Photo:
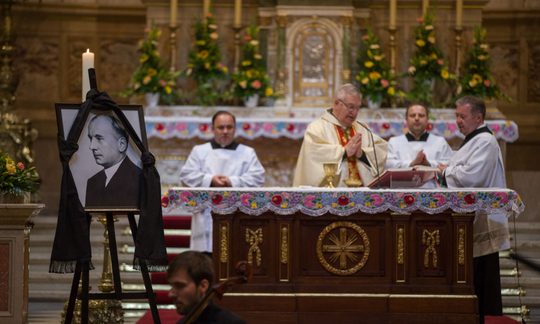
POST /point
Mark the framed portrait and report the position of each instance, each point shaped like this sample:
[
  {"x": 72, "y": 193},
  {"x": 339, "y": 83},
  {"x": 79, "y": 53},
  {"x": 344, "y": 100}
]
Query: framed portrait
[{"x": 107, "y": 166}]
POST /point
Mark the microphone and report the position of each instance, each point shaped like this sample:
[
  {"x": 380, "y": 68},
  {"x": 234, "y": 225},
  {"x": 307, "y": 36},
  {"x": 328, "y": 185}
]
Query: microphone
[{"x": 373, "y": 144}]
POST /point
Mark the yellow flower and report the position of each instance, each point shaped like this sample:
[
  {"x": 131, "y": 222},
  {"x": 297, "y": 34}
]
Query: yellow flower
[
  {"x": 268, "y": 92},
  {"x": 431, "y": 39},
  {"x": 433, "y": 56},
  {"x": 378, "y": 57},
  {"x": 250, "y": 73},
  {"x": 143, "y": 58},
  {"x": 477, "y": 77},
  {"x": 391, "y": 91},
  {"x": 484, "y": 46},
  {"x": 253, "y": 204},
  {"x": 420, "y": 43},
  {"x": 368, "y": 64},
  {"x": 242, "y": 84},
  {"x": 207, "y": 66},
  {"x": 445, "y": 74},
  {"x": 334, "y": 205},
  {"x": 168, "y": 89},
  {"x": 10, "y": 167},
  {"x": 192, "y": 203},
  {"x": 152, "y": 72},
  {"x": 214, "y": 35},
  {"x": 473, "y": 83},
  {"x": 374, "y": 46},
  {"x": 423, "y": 62},
  {"x": 254, "y": 42},
  {"x": 412, "y": 69},
  {"x": 429, "y": 27},
  {"x": 374, "y": 75},
  {"x": 482, "y": 57},
  {"x": 318, "y": 205},
  {"x": 212, "y": 26},
  {"x": 367, "y": 204},
  {"x": 365, "y": 81},
  {"x": 257, "y": 56},
  {"x": 246, "y": 63},
  {"x": 284, "y": 205},
  {"x": 203, "y": 54},
  {"x": 200, "y": 42},
  {"x": 147, "y": 79}
]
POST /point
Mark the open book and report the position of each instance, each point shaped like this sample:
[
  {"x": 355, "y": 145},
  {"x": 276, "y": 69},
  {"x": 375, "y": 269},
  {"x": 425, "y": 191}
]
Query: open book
[{"x": 412, "y": 177}]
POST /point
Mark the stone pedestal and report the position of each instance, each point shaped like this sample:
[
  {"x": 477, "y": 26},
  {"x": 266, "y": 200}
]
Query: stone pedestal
[{"x": 15, "y": 229}]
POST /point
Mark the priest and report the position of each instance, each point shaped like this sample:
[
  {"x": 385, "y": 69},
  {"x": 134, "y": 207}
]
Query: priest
[
  {"x": 417, "y": 147},
  {"x": 478, "y": 164},
  {"x": 337, "y": 137},
  {"x": 220, "y": 163}
]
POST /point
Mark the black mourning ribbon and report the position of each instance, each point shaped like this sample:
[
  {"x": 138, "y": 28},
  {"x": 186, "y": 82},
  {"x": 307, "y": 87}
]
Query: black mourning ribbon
[{"x": 72, "y": 237}]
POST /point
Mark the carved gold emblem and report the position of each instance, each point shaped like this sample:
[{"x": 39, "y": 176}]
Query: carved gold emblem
[
  {"x": 254, "y": 238},
  {"x": 430, "y": 239},
  {"x": 461, "y": 246},
  {"x": 343, "y": 248},
  {"x": 284, "y": 245},
  {"x": 400, "y": 247},
  {"x": 224, "y": 243}
]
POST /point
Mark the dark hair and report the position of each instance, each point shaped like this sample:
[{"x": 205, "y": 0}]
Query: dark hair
[
  {"x": 477, "y": 105},
  {"x": 421, "y": 104},
  {"x": 197, "y": 265},
  {"x": 115, "y": 123},
  {"x": 223, "y": 112}
]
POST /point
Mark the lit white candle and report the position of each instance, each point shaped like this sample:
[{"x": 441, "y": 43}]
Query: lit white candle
[
  {"x": 393, "y": 12},
  {"x": 237, "y": 13},
  {"x": 206, "y": 7},
  {"x": 87, "y": 63},
  {"x": 425, "y": 5},
  {"x": 459, "y": 13},
  {"x": 174, "y": 10}
]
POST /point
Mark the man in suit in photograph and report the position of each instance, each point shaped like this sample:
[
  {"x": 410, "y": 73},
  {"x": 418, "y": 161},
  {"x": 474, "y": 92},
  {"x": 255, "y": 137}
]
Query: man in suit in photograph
[{"x": 117, "y": 185}]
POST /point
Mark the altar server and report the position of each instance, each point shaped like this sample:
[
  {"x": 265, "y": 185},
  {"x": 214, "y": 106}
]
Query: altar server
[
  {"x": 417, "y": 147},
  {"x": 337, "y": 137},
  {"x": 478, "y": 164},
  {"x": 220, "y": 163}
]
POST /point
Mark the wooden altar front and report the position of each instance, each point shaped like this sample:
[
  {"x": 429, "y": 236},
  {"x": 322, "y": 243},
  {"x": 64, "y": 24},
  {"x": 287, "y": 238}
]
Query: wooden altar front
[{"x": 347, "y": 256}]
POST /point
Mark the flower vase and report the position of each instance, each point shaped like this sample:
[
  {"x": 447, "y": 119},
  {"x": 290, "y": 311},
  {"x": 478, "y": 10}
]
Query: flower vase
[
  {"x": 152, "y": 99},
  {"x": 251, "y": 101},
  {"x": 9, "y": 198},
  {"x": 374, "y": 103}
]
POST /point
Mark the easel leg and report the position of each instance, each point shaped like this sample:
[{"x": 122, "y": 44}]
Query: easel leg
[
  {"x": 73, "y": 294},
  {"x": 114, "y": 256},
  {"x": 84, "y": 293},
  {"x": 145, "y": 274}
]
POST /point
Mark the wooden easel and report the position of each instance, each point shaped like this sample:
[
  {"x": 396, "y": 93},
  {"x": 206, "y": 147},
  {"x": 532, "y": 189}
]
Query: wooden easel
[{"x": 118, "y": 294}]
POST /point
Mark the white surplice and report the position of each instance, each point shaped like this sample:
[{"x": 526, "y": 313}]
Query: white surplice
[
  {"x": 479, "y": 164},
  {"x": 242, "y": 167},
  {"x": 401, "y": 152},
  {"x": 321, "y": 144}
]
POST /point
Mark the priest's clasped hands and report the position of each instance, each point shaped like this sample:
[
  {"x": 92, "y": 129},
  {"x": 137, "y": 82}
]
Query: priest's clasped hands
[
  {"x": 354, "y": 146},
  {"x": 220, "y": 181},
  {"x": 420, "y": 159}
]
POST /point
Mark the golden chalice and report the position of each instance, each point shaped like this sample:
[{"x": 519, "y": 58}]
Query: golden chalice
[{"x": 330, "y": 169}]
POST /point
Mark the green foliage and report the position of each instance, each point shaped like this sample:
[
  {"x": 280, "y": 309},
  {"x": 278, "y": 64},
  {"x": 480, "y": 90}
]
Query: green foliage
[
  {"x": 375, "y": 81},
  {"x": 428, "y": 63},
  {"x": 15, "y": 178},
  {"x": 204, "y": 63},
  {"x": 251, "y": 77},
  {"x": 151, "y": 76},
  {"x": 477, "y": 79}
]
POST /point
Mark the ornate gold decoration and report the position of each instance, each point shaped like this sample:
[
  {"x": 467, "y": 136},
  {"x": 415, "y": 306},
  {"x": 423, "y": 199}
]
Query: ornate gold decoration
[
  {"x": 430, "y": 239},
  {"x": 254, "y": 238},
  {"x": 282, "y": 21},
  {"x": 346, "y": 257},
  {"x": 346, "y": 75},
  {"x": 224, "y": 244},
  {"x": 400, "y": 246},
  {"x": 461, "y": 246},
  {"x": 284, "y": 244}
]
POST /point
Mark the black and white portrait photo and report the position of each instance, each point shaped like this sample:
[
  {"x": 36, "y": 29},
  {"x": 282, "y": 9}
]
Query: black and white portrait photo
[{"x": 107, "y": 167}]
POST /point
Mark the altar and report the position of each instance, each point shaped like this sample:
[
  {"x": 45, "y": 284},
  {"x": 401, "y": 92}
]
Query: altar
[{"x": 347, "y": 255}]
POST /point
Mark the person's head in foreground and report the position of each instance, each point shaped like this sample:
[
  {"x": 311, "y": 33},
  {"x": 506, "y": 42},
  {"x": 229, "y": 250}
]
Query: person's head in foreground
[
  {"x": 417, "y": 118},
  {"x": 470, "y": 114},
  {"x": 224, "y": 127},
  {"x": 346, "y": 105}
]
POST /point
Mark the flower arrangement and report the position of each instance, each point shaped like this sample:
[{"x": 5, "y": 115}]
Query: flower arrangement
[
  {"x": 16, "y": 178},
  {"x": 428, "y": 63},
  {"x": 204, "y": 63},
  {"x": 151, "y": 76},
  {"x": 375, "y": 80},
  {"x": 251, "y": 78},
  {"x": 477, "y": 79}
]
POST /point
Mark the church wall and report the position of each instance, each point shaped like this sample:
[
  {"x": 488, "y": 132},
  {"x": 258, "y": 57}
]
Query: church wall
[{"x": 52, "y": 35}]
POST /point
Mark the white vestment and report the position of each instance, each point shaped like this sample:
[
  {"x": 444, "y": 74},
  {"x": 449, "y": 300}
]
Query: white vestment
[
  {"x": 242, "y": 167},
  {"x": 322, "y": 144},
  {"x": 479, "y": 164},
  {"x": 401, "y": 152}
]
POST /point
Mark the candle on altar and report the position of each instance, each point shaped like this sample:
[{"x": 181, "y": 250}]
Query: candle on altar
[
  {"x": 393, "y": 12},
  {"x": 459, "y": 13},
  {"x": 237, "y": 13},
  {"x": 174, "y": 11},
  {"x": 206, "y": 7},
  {"x": 87, "y": 63},
  {"x": 425, "y": 5}
]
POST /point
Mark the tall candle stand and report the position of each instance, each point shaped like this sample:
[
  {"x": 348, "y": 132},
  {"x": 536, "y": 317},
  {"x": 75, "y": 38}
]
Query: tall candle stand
[
  {"x": 237, "y": 30},
  {"x": 459, "y": 33},
  {"x": 392, "y": 45},
  {"x": 172, "y": 44}
]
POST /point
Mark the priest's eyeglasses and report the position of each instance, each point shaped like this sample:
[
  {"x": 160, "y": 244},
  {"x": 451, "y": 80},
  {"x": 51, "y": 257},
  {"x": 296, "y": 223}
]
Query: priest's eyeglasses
[{"x": 350, "y": 106}]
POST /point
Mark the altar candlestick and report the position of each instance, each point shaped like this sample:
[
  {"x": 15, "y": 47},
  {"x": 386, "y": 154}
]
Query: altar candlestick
[
  {"x": 206, "y": 7},
  {"x": 459, "y": 13},
  {"x": 425, "y": 5},
  {"x": 237, "y": 13},
  {"x": 87, "y": 63},
  {"x": 174, "y": 11},
  {"x": 393, "y": 12}
]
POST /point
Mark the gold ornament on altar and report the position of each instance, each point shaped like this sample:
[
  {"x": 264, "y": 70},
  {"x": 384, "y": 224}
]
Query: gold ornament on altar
[
  {"x": 330, "y": 170},
  {"x": 353, "y": 181},
  {"x": 343, "y": 248}
]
